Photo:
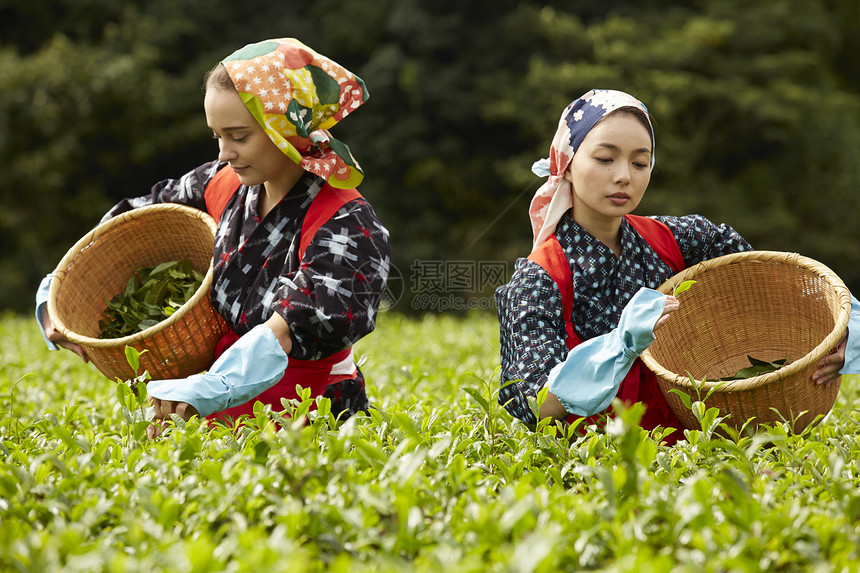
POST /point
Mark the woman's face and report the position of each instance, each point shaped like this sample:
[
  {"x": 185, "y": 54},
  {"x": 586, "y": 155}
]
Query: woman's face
[
  {"x": 242, "y": 142},
  {"x": 611, "y": 170}
]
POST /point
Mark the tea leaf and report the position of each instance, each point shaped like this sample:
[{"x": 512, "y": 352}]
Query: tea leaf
[
  {"x": 757, "y": 368},
  {"x": 478, "y": 398},
  {"x": 158, "y": 269},
  {"x": 683, "y": 287},
  {"x": 148, "y": 323},
  {"x": 685, "y": 398},
  {"x": 132, "y": 356},
  {"x": 757, "y": 362},
  {"x": 151, "y": 295},
  {"x": 427, "y": 480}
]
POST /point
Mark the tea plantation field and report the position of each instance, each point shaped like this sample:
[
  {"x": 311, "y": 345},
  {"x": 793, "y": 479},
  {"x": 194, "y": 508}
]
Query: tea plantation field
[{"x": 438, "y": 478}]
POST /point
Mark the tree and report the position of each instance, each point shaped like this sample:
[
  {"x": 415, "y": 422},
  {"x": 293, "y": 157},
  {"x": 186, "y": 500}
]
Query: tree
[
  {"x": 757, "y": 109},
  {"x": 756, "y": 125}
]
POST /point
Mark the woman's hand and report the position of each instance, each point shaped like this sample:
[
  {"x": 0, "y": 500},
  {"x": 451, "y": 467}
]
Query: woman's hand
[
  {"x": 57, "y": 337},
  {"x": 163, "y": 410},
  {"x": 252, "y": 365},
  {"x": 672, "y": 304},
  {"x": 282, "y": 332},
  {"x": 830, "y": 365}
]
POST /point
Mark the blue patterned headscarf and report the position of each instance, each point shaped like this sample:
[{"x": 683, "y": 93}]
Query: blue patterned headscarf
[{"x": 554, "y": 198}]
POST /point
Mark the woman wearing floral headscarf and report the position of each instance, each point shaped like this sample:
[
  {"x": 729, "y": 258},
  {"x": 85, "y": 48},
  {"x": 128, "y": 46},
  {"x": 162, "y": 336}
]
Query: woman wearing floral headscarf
[
  {"x": 581, "y": 308},
  {"x": 300, "y": 256}
]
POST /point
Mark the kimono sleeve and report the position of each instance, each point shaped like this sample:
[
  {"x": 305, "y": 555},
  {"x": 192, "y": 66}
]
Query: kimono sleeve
[
  {"x": 700, "y": 240},
  {"x": 331, "y": 301},
  {"x": 187, "y": 190},
  {"x": 532, "y": 336}
]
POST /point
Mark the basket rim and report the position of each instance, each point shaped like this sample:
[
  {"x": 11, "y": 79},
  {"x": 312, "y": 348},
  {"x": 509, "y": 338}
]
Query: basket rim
[
  {"x": 823, "y": 348},
  {"x": 64, "y": 264}
]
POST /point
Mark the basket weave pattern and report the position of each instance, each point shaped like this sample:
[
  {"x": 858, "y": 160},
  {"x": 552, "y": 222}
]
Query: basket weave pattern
[
  {"x": 98, "y": 267},
  {"x": 769, "y": 305}
]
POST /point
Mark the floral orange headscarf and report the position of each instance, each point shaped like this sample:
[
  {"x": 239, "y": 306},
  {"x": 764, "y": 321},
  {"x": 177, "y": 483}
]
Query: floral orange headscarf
[{"x": 296, "y": 95}]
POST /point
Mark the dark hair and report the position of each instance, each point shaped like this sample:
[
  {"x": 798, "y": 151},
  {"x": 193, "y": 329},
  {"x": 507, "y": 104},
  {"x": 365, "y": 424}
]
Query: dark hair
[
  {"x": 217, "y": 78},
  {"x": 637, "y": 113}
]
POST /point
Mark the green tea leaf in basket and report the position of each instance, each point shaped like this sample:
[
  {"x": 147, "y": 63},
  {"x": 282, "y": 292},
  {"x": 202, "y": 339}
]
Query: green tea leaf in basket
[
  {"x": 148, "y": 323},
  {"x": 757, "y": 367},
  {"x": 160, "y": 269},
  {"x": 151, "y": 295}
]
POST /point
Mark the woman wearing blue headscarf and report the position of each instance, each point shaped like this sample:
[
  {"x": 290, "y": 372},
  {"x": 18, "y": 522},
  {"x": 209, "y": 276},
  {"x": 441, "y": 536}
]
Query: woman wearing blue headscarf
[{"x": 582, "y": 307}]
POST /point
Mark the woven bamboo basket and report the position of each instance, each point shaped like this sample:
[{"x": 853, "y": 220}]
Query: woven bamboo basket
[
  {"x": 769, "y": 305},
  {"x": 99, "y": 265}
]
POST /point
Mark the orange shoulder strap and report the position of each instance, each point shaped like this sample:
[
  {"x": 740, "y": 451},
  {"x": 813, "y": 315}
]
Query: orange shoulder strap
[
  {"x": 551, "y": 257},
  {"x": 327, "y": 202},
  {"x": 661, "y": 239},
  {"x": 219, "y": 191}
]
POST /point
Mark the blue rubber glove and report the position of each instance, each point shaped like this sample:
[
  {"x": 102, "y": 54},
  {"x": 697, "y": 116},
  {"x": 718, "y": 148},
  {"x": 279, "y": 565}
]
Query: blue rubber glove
[
  {"x": 587, "y": 381},
  {"x": 255, "y": 363},
  {"x": 852, "y": 347},
  {"x": 41, "y": 301}
]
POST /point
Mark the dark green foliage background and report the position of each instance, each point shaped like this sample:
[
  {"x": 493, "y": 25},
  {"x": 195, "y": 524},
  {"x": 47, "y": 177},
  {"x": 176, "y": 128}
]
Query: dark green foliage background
[{"x": 757, "y": 107}]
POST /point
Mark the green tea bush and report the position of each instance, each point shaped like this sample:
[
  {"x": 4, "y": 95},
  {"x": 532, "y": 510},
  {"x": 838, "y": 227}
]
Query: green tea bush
[{"x": 437, "y": 477}]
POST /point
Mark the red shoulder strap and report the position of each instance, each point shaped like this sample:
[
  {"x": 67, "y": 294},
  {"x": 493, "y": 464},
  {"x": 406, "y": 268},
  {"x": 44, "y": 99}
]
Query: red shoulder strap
[
  {"x": 327, "y": 202},
  {"x": 661, "y": 239},
  {"x": 551, "y": 257},
  {"x": 219, "y": 190}
]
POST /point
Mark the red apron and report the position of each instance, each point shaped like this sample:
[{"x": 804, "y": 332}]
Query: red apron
[
  {"x": 313, "y": 374},
  {"x": 640, "y": 384}
]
